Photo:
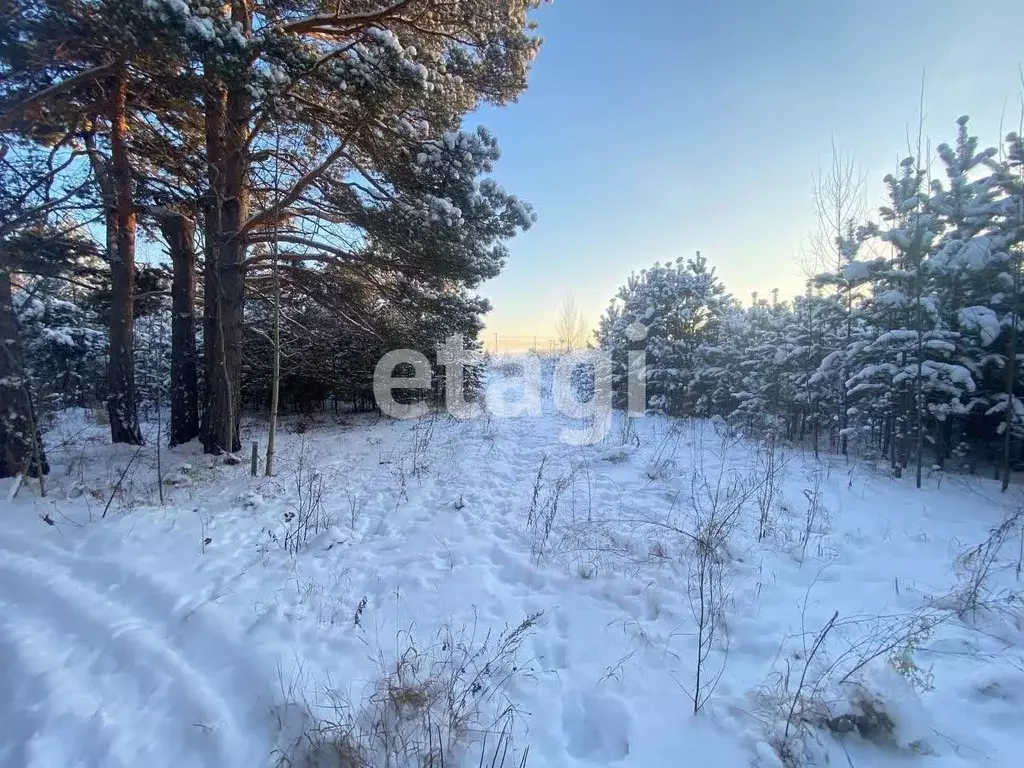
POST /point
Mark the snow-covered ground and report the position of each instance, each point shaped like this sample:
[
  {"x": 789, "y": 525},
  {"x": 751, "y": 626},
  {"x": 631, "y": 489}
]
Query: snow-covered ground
[{"x": 384, "y": 576}]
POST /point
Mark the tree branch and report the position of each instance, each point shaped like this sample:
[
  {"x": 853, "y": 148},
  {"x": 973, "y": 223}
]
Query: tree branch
[
  {"x": 268, "y": 214},
  {"x": 336, "y": 23},
  {"x": 338, "y": 255},
  {"x": 8, "y": 118}
]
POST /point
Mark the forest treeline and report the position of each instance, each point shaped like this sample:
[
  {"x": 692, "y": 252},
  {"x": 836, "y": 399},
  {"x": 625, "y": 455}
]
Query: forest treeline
[{"x": 906, "y": 343}]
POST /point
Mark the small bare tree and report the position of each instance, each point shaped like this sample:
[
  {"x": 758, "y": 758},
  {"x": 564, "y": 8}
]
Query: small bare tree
[
  {"x": 571, "y": 328},
  {"x": 839, "y": 202},
  {"x": 707, "y": 600},
  {"x": 275, "y": 381},
  {"x": 718, "y": 501},
  {"x": 771, "y": 465},
  {"x": 838, "y": 193},
  {"x": 813, "y": 518}
]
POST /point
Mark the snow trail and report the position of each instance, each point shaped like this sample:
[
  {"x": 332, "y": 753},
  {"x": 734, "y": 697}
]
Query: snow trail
[{"x": 103, "y": 658}]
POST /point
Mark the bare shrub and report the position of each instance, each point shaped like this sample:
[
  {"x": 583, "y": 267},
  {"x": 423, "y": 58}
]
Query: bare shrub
[
  {"x": 903, "y": 657},
  {"x": 307, "y": 518},
  {"x": 356, "y": 506},
  {"x": 422, "y": 435},
  {"x": 865, "y": 639},
  {"x": 703, "y": 526},
  {"x": 789, "y": 710},
  {"x": 546, "y": 499},
  {"x": 829, "y": 693},
  {"x": 718, "y": 501},
  {"x": 663, "y": 459},
  {"x": 717, "y": 505},
  {"x": 626, "y": 433},
  {"x": 714, "y": 508},
  {"x": 488, "y": 428},
  {"x": 976, "y": 568},
  {"x": 120, "y": 484},
  {"x": 440, "y": 704},
  {"x": 707, "y": 595},
  {"x": 771, "y": 463},
  {"x": 562, "y": 524},
  {"x": 535, "y": 498},
  {"x": 814, "y": 515}
]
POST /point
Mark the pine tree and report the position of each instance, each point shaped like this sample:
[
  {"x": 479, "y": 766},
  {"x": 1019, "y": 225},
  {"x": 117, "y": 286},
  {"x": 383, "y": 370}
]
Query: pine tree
[
  {"x": 678, "y": 308},
  {"x": 1011, "y": 300},
  {"x": 112, "y": 63},
  {"x": 34, "y": 197},
  {"x": 367, "y": 105}
]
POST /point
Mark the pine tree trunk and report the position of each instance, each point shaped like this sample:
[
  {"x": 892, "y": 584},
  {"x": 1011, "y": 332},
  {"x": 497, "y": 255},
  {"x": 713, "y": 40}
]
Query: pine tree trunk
[
  {"x": 179, "y": 232},
  {"x": 211, "y": 322},
  {"x": 227, "y": 134},
  {"x": 232, "y": 255},
  {"x": 121, "y": 407},
  {"x": 844, "y": 418},
  {"x": 946, "y": 442},
  {"x": 220, "y": 305},
  {"x": 226, "y": 138},
  {"x": 275, "y": 383},
  {"x": 275, "y": 380},
  {"x": 816, "y": 430},
  {"x": 891, "y": 438},
  {"x": 918, "y": 387},
  {"x": 21, "y": 445},
  {"x": 1011, "y": 379}
]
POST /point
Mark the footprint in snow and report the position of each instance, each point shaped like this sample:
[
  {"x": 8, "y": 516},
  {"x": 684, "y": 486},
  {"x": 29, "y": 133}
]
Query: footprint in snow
[
  {"x": 554, "y": 655},
  {"x": 597, "y": 726},
  {"x": 515, "y": 572},
  {"x": 562, "y": 624}
]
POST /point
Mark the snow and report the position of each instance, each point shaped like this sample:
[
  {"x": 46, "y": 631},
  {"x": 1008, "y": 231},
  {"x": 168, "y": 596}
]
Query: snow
[
  {"x": 891, "y": 298},
  {"x": 202, "y": 632},
  {"x": 976, "y": 254},
  {"x": 983, "y": 320},
  {"x": 857, "y": 270}
]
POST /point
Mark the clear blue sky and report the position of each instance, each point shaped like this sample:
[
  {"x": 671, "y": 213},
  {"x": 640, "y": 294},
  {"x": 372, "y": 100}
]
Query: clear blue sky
[{"x": 655, "y": 128}]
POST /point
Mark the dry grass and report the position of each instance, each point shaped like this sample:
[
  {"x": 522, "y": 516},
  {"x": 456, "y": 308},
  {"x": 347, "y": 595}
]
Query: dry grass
[{"x": 442, "y": 704}]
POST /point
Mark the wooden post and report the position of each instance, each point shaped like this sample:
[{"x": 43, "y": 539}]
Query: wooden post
[{"x": 255, "y": 457}]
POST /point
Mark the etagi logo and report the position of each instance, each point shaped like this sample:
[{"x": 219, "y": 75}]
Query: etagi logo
[{"x": 521, "y": 393}]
